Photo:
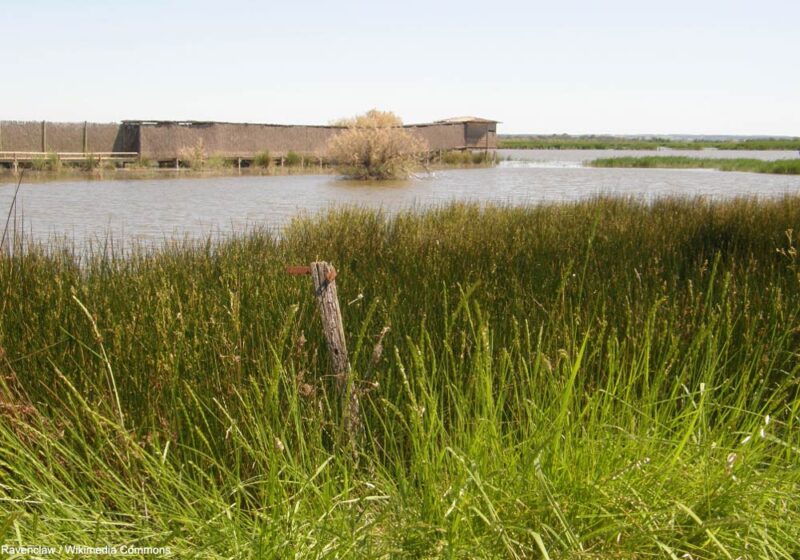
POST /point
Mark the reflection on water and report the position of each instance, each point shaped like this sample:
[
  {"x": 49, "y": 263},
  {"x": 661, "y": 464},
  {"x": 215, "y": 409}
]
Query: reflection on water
[{"x": 158, "y": 209}]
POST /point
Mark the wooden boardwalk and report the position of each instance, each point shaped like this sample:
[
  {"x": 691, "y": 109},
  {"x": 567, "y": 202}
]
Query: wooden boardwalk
[{"x": 17, "y": 158}]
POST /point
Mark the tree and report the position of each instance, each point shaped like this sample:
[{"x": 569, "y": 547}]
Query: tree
[{"x": 375, "y": 146}]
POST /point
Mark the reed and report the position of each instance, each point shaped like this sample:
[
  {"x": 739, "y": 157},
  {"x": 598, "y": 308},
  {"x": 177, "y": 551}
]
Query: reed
[
  {"x": 262, "y": 159},
  {"x": 600, "y": 142},
  {"x": 603, "y": 379},
  {"x": 466, "y": 158},
  {"x": 780, "y": 167},
  {"x": 293, "y": 159}
]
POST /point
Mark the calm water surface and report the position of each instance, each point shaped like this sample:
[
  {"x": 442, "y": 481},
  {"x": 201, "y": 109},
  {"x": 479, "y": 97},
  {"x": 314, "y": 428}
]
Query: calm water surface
[
  {"x": 576, "y": 158},
  {"x": 154, "y": 210}
]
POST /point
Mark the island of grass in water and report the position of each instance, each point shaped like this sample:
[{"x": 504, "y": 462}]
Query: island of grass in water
[
  {"x": 605, "y": 142},
  {"x": 780, "y": 167}
]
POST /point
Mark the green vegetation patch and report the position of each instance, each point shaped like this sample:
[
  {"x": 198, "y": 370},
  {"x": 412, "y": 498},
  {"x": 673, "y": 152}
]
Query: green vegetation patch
[
  {"x": 466, "y": 157},
  {"x": 293, "y": 159},
  {"x": 262, "y": 159},
  {"x": 781, "y": 167},
  {"x": 605, "y": 379},
  {"x": 566, "y": 142}
]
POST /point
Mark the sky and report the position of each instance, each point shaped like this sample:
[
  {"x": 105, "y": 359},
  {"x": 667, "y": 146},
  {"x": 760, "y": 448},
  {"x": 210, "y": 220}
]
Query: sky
[{"x": 567, "y": 66}]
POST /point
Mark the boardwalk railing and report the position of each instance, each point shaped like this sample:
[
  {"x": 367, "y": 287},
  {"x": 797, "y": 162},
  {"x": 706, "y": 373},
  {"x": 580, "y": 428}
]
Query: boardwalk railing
[{"x": 20, "y": 157}]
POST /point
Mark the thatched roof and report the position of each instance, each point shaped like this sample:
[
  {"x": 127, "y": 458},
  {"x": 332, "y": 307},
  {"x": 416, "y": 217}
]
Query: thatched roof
[{"x": 462, "y": 120}]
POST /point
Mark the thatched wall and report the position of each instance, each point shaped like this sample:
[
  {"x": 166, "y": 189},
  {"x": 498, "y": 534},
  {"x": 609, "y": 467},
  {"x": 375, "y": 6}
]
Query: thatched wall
[
  {"x": 168, "y": 140},
  {"x": 26, "y": 136},
  {"x": 164, "y": 141},
  {"x": 441, "y": 136},
  {"x": 480, "y": 135},
  {"x": 20, "y": 136}
]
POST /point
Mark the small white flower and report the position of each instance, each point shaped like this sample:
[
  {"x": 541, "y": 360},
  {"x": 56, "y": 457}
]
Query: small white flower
[{"x": 746, "y": 439}]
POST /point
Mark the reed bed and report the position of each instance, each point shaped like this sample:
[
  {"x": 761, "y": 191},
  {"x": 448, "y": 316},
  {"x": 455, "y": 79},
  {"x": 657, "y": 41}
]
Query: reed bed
[
  {"x": 780, "y": 167},
  {"x": 604, "y": 379},
  {"x": 600, "y": 142}
]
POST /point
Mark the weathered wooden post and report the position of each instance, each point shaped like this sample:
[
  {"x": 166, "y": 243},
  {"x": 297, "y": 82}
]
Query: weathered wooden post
[{"x": 323, "y": 276}]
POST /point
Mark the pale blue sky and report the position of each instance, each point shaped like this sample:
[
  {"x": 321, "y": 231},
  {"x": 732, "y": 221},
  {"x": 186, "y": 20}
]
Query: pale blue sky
[{"x": 620, "y": 66}]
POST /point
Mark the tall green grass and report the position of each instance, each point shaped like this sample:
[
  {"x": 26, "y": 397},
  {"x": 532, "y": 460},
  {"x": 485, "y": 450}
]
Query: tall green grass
[
  {"x": 262, "y": 159},
  {"x": 50, "y": 162},
  {"x": 780, "y": 167},
  {"x": 293, "y": 159},
  {"x": 605, "y": 379}
]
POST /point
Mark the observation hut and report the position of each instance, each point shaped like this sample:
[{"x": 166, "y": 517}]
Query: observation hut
[{"x": 166, "y": 142}]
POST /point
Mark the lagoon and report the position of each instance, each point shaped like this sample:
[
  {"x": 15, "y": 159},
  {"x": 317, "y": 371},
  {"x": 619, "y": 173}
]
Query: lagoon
[{"x": 154, "y": 210}]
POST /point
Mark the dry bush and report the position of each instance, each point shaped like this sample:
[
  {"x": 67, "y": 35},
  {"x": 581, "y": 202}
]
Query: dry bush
[
  {"x": 193, "y": 157},
  {"x": 375, "y": 146}
]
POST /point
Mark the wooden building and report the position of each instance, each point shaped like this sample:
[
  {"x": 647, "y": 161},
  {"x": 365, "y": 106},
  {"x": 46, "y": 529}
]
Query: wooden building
[{"x": 166, "y": 141}]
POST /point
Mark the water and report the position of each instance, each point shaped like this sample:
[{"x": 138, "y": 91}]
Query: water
[
  {"x": 151, "y": 211},
  {"x": 576, "y": 158}
]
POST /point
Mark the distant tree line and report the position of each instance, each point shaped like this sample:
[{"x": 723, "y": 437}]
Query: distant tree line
[{"x": 567, "y": 142}]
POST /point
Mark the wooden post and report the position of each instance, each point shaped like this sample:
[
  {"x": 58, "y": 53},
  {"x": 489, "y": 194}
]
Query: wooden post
[
  {"x": 85, "y": 137},
  {"x": 44, "y": 136},
  {"x": 323, "y": 276}
]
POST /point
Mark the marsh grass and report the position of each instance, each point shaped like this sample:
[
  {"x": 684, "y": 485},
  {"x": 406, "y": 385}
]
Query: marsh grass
[
  {"x": 466, "y": 157},
  {"x": 50, "y": 162},
  {"x": 262, "y": 160},
  {"x": 780, "y": 167},
  {"x": 605, "y": 379},
  {"x": 592, "y": 142},
  {"x": 293, "y": 159},
  {"x": 218, "y": 161}
]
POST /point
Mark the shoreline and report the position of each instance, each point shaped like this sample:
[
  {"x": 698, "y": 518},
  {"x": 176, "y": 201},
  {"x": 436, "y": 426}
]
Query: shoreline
[
  {"x": 746, "y": 165},
  {"x": 8, "y": 177},
  {"x": 610, "y": 143}
]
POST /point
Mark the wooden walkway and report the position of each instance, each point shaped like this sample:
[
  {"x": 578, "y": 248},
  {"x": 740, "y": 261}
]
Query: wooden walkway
[{"x": 18, "y": 158}]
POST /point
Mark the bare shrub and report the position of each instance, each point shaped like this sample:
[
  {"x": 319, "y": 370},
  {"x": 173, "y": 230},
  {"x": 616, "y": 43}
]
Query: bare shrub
[
  {"x": 193, "y": 157},
  {"x": 375, "y": 146}
]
